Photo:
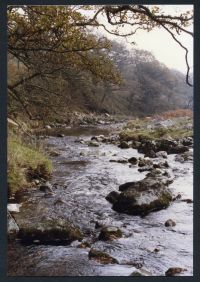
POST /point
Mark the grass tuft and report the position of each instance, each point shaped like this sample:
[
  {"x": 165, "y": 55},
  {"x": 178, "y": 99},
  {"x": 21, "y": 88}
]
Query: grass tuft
[{"x": 21, "y": 159}]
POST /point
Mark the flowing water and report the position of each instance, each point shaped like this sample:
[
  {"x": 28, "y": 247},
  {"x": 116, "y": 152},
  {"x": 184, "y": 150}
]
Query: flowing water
[{"x": 84, "y": 176}]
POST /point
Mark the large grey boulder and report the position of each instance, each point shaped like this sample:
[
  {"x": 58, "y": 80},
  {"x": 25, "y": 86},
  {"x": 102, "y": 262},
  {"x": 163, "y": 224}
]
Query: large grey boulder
[{"x": 142, "y": 197}]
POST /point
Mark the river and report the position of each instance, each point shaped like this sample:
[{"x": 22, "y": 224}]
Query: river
[{"x": 84, "y": 176}]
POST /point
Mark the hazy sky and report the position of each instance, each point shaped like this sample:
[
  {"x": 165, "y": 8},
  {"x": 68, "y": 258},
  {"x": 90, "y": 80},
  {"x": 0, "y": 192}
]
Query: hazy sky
[{"x": 161, "y": 44}]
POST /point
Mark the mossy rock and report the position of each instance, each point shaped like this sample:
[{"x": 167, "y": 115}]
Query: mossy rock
[
  {"x": 112, "y": 197},
  {"x": 110, "y": 233},
  {"x": 101, "y": 257},
  {"x": 143, "y": 197},
  {"x": 173, "y": 271},
  {"x": 49, "y": 231},
  {"x": 84, "y": 245}
]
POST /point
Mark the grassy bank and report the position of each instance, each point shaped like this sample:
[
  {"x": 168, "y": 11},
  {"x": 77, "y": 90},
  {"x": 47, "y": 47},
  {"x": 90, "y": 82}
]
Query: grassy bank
[
  {"x": 25, "y": 162},
  {"x": 145, "y": 128}
]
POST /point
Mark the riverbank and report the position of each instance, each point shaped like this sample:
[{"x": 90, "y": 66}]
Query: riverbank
[{"x": 89, "y": 165}]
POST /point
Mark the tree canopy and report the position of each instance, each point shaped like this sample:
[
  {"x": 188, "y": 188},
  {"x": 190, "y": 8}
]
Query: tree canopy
[
  {"x": 53, "y": 52},
  {"x": 142, "y": 17}
]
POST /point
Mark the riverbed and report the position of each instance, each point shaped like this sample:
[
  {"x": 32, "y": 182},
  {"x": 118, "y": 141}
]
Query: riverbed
[{"x": 82, "y": 177}]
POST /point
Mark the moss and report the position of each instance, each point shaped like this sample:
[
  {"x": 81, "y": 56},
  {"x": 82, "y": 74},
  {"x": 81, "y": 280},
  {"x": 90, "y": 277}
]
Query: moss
[{"x": 21, "y": 158}]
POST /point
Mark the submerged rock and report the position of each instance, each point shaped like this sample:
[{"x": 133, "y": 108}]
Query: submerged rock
[
  {"x": 12, "y": 227},
  {"x": 60, "y": 135},
  {"x": 144, "y": 162},
  {"x": 84, "y": 245},
  {"x": 49, "y": 231},
  {"x": 172, "y": 271},
  {"x": 161, "y": 165},
  {"x": 179, "y": 158},
  {"x": 124, "y": 145},
  {"x": 53, "y": 153},
  {"x": 110, "y": 233},
  {"x": 187, "y": 156},
  {"x": 145, "y": 168},
  {"x": 187, "y": 141},
  {"x": 93, "y": 144},
  {"x": 101, "y": 257},
  {"x": 170, "y": 223},
  {"x": 100, "y": 138},
  {"x": 121, "y": 161},
  {"x": 133, "y": 160},
  {"x": 188, "y": 201},
  {"x": 142, "y": 197},
  {"x": 178, "y": 149},
  {"x": 141, "y": 272}
]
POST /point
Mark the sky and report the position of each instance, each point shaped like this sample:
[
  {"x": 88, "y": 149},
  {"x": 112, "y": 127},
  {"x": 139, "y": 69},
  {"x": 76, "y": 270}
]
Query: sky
[{"x": 161, "y": 44}]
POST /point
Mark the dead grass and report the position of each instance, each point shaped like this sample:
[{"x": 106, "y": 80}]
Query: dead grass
[{"x": 174, "y": 114}]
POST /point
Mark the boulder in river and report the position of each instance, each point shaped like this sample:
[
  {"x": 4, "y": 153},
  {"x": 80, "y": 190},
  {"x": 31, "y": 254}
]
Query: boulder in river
[
  {"x": 169, "y": 146},
  {"x": 136, "y": 144},
  {"x": 150, "y": 154},
  {"x": 142, "y": 197},
  {"x": 178, "y": 149},
  {"x": 101, "y": 257},
  {"x": 99, "y": 138},
  {"x": 145, "y": 168},
  {"x": 133, "y": 160},
  {"x": 124, "y": 145},
  {"x": 161, "y": 165},
  {"x": 187, "y": 141},
  {"x": 49, "y": 231},
  {"x": 144, "y": 162},
  {"x": 154, "y": 173},
  {"x": 161, "y": 154},
  {"x": 112, "y": 197},
  {"x": 110, "y": 233}
]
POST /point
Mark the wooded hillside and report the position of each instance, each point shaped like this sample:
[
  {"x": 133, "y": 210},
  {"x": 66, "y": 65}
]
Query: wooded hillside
[{"x": 53, "y": 70}]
